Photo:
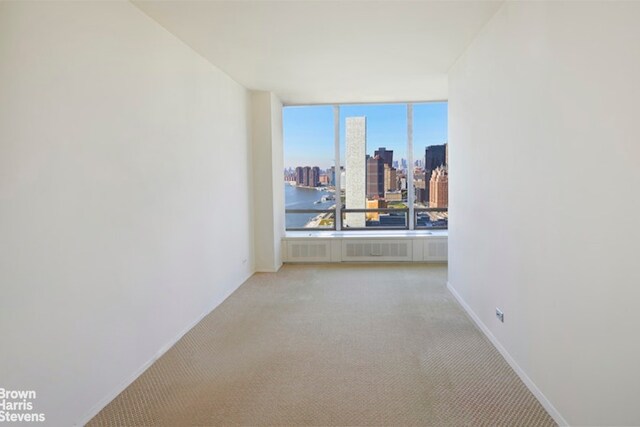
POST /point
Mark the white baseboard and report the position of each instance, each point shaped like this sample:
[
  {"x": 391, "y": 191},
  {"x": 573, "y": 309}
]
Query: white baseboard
[
  {"x": 112, "y": 395},
  {"x": 558, "y": 418},
  {"x": 269, "y": 269}
]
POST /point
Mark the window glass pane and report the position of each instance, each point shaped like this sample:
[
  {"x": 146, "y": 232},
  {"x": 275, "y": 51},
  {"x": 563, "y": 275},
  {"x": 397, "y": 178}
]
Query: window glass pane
[
  {"x": 373, "y": 147},
  {"x": 309, "y": 173},
  {"x": 431, "y": 174}
]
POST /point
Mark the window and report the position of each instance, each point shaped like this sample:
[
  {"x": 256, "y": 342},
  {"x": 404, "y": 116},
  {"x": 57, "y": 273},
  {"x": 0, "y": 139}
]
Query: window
[
  {"x": 366, "y": 167},
  {"x": 309, "y": 167},
  {"x": 431, "y": 172},
  {"x": 372, "y": 138}
]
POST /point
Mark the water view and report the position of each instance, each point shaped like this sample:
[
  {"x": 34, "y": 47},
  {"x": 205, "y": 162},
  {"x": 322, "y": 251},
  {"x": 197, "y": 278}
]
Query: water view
[{"x": 304, "y": 198}]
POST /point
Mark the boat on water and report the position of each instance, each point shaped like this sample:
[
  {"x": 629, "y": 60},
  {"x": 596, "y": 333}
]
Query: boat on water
[{"x": 324, "y": 199}]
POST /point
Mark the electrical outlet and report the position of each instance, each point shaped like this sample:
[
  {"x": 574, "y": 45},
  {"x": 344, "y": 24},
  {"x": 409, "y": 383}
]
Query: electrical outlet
[{"x": 500, "y": 315}]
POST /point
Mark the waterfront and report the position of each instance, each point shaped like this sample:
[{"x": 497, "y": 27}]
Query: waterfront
[{"x": 303, "y": 198}]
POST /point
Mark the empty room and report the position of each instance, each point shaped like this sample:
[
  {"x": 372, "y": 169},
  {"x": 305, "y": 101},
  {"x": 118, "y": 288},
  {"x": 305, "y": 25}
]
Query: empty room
[{"x": 319, "y": 213}]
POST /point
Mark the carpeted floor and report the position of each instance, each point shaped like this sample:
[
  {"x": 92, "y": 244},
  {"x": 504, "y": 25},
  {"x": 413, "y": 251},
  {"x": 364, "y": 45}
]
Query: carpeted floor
[{"x": 335, "y": 345}]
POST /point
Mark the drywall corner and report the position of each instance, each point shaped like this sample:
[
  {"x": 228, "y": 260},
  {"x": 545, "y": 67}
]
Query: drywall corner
[{"x": 268, "y": 187}]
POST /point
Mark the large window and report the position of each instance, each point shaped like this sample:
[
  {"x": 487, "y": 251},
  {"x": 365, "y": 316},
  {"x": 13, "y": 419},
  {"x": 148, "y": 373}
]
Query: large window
[
  {"x": 431, "y": 173},
  {"x": 309, "y": 155},
  {"x": 366, "y": 167}
]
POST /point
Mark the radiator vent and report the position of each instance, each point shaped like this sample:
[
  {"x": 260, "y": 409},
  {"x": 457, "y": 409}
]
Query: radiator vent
[
  {"x": 356, "y": 249},
  {"x": 308, "y": 252},
  {"x": 367, "y": 250},
  {"x": 436, "y": 250}
]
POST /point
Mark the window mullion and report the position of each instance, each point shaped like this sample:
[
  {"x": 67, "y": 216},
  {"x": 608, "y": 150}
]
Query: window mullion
[{"x": 338, "y": 170}]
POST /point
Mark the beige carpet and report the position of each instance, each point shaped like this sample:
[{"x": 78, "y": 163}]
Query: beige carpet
[{"x": 339, "y": 345}]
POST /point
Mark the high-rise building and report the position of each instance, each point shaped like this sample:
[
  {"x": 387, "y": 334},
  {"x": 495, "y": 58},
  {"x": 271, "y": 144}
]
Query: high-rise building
[
  {"x": 434, "y": 156},
  {"x": 385, "y": 155},
  {"x": 419, "y": 185},
  {"x": 375, "y": 177},
  {"x": 306, "y": 171},
  {"x": 314, "y": 176},
  {"x": 307, "y": 176},
  {"x": 356, "y": 146},
  {"x": 299, "y": 175},
  {"x": 390, "y": 178},
  {"x": 439, "y": 188}
]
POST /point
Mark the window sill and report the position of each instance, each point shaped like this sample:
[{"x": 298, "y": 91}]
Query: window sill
[{"x": 395, "y": 234}]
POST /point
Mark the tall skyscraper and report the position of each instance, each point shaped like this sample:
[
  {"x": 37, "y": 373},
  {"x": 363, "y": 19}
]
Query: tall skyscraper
[
  {"x": 434, "y": 156},
  {"x": 375, "y": 177},
  {"x": 306, "y": 172},
  {"x": 314, "y": 177},
  {"x": 386, "y": 155},
  {"x": 356, "y": 146},
  {"x": 439, "y": 188},
  {"x": 390, "y": 179},
  {"x": 299, "y": 175}
]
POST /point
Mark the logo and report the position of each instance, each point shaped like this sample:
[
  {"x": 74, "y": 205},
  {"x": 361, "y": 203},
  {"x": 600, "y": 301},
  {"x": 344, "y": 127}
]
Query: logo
[{"x": 17, "y": 406}]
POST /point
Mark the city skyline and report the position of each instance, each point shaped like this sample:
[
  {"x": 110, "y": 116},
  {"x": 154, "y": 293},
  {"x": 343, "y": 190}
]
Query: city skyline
[
  {"x": 309, "y": 133},
  {"x": 374, "y": 173}
]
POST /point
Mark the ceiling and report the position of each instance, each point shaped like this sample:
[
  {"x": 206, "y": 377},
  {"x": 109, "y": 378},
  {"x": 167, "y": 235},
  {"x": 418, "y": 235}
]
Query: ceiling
[{"x": 310, "y": 52}]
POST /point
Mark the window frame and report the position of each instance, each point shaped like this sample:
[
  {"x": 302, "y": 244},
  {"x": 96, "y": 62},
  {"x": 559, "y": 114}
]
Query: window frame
[{"x": 411, "y": 212}]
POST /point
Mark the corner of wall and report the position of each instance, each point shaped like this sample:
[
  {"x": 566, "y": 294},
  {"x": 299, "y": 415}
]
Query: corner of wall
[
  {"x": 268, "y": 187},
  {"x": 544, "y": 401},
  {"x": 250, "y": 178},
  {"x": 277, "y": 159}
]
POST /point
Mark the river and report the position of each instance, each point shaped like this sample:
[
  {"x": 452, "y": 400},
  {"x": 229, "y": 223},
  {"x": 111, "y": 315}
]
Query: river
[{"x": 303, "y": 198}]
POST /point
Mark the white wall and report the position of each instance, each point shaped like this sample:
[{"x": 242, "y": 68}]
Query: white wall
[
  {"x": 268, "y": 180},
  {"x": 277, "y": 171},
  {"x": 544, "y": 220},
  {"x": 124, "y": 197}
]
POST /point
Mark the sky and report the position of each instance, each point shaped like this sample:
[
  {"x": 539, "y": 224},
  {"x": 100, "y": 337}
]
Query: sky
[{"x": 308, "y": 131}]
